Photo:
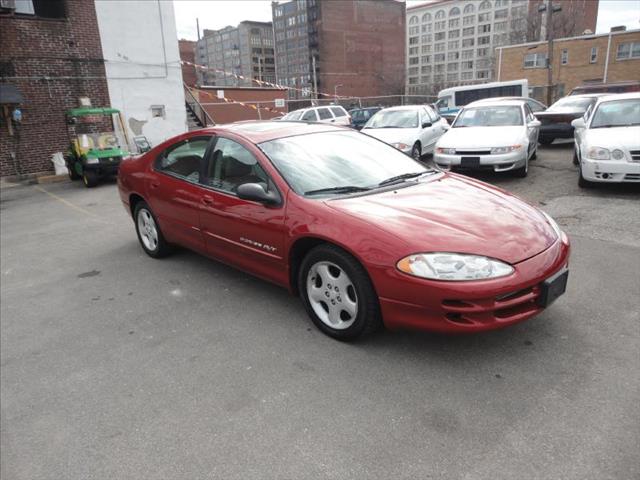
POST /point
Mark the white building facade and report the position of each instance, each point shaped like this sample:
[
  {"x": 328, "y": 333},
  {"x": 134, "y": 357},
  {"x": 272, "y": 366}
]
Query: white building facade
[
  {"x": 142, "y": 63},
  {"x": 452, "y": 42}
]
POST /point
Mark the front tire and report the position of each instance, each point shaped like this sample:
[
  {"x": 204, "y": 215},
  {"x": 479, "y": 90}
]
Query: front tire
[
  {"x": 90, "y": 178},
  {"x": 522, "y": 172},
  {"x": 71, "y": 168},
  {"x": 576, "y": 159},
  {"x": 149, "y": 233},
  {"x": 583, "y": 182},
  {"x": 337, "y": 293},
  {"x": 416, "y": 151}
]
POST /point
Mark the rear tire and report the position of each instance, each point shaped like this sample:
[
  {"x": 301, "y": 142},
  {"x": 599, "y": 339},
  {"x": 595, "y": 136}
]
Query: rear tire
[
  {"x": 337, "y": 294},
  {"x": 149, "y": 233},
  {"x": 90, "y": 178}
]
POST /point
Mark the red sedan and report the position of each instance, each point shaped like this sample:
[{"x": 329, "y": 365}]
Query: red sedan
[{"x": 363, "y": 233}]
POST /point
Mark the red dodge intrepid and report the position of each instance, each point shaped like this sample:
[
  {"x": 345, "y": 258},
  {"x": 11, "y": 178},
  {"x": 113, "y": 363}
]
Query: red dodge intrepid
[{"x": 363, "y": 233}]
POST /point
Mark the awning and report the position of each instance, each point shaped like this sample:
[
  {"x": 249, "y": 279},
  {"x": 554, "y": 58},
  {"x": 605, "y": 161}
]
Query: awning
[{"x": 9, "y": 94}]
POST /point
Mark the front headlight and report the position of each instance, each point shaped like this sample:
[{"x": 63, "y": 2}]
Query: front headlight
[
  {"x": 453, "y": 266},
  {"x": 400, "y": 146},
  {"x": 446, "y": 151},
  {"x": 598, "y": 153},
  {"x": 617, "y": 154},
  {"x": 90, "y": 161},
  {"x": 501, "y": 150},
  {"x": 553, "y": 224}
]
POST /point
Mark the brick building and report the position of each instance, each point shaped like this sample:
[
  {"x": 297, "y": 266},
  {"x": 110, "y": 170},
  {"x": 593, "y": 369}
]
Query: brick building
[
  {"x": 574, "y": 18},
  {"x": 188, "y": 54},
  {"x": 358, "y": 47},
  {"x": 604, "y": 58},
  {"x": 51, "y": 53}
]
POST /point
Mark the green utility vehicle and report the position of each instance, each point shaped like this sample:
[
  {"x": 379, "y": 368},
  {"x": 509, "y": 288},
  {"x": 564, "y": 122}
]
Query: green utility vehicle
[{"x": 96, "y": 143}]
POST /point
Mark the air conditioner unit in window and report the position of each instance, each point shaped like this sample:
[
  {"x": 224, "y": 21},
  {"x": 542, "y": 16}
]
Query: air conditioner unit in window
[{"x": 8, "y": 4}]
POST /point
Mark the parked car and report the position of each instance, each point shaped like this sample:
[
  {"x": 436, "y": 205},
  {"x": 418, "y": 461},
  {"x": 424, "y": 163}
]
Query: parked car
[
  {"x": 610, "y": 88},
  {"x": 360, "y": 116},
  {"x": 498, "y": 135},
  {"x": 534, "y": 105},
  {"x": 556, "y": 120},
  {"x": 364, "y": 234},
  {"x": 412, "y": 129},
  {"x": 329, "y": 114},
  {"x": 607, "y": 141}
]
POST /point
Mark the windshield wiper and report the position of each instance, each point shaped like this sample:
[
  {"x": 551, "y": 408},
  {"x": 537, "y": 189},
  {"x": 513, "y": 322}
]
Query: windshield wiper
[
  {"x": 342, "y": 189},
  {"x": 404, "y": 176}
]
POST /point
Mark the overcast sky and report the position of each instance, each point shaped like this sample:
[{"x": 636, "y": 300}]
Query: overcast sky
[{"x": 215, "y": 14}]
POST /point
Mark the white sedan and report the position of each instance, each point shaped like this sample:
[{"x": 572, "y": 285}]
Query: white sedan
[
  {"x": 413, "y": 129},
  {"x": 607, "y": 140},
  {"x": 499, "y": 135}
]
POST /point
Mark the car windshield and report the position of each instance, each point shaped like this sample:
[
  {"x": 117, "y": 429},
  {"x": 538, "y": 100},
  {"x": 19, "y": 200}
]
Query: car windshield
[
  {"x": 98, "y": 141},
  {"x": 497, "y": 116},
  {"x": 293, "y": 115},
  {"x": 571, "y": 103},
  {"x": 339, "y": 161},
  {"x": 617, "y": 113},
  {"x": 394, "y": 119}
]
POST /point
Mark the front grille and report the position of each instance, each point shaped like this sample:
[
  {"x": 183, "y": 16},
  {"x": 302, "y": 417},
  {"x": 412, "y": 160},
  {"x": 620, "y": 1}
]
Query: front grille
[
  {"x": 632, "y": 177},
  {"x": 472, "y": 152},
  {"x": 635, "y": 155}
]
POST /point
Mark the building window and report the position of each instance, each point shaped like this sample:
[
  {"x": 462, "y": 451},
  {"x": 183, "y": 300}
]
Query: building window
[
  {"x": 453, "y": 45},
  {"x": 413, "y": 40},
  {"x": 486, "y": 5},
  {"x": 452, "y": 77},
  {"x": 439, "y": 36},
  {"x": 454, "y": 23},
  {"x": 439, "y": 47},
  {"x": 466, "y": 76},
  {"x": 501, "y": 14},
  {"x": 484, "y": 40},
  {"x": 453, "y": 56},
  {"x": 426, "y": 28},
  {"x": 564, "y": 57},
  {"x": 467, "y": 54},
  {"x": 426, "y": 38},
  {"x": 413, "y": 20},
  {"x": 439, "y": 57},
  {"x": 413, "y": 51},
  {"x": 467, "y": 42},
  {"x": 414, "y": 60},
  {"x": 414, "y": 30},
  {"x": 482, "y": 75},
  {"x": 413, "y": 71},
  {"x": 440, "y": 14},
  {"x": 454, "y": 12},
  {"x": 425, "y": 69},
  {"x": 500, "y": 26},
  {"x": 41, "y": 8},
  {"x": 483, "y": 52},
  {"x": 535, "y": 60},
  {"x": 628, "y": 50},
  {"x": 426, "y": 17},
  {"x": 484, "y": 17},
  {"x": 468, "y": 20},
  {"x": 469, "y": 8},
  {"x": 593, "y": 58},
  {"x": 425, "y": 59},
  {"x": 157, "y": 111},
  {"x": 454, "y": 33},
  {"x": 440, "y": 25},
  {"x": 425, "y": 49},
  {"x": 452, "y": 67},
  {"x": 439, "y": 68},
  {"x": 413, "y": 80},
  {"x": 484, "y": 28},
  {"x": 468, "y": 65},
  {"x": 468, "y": 31}
]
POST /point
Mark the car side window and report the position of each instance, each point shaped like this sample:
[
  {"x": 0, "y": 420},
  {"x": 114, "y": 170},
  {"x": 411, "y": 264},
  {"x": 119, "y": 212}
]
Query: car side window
[
  {"x": 184, "y": 159},
  {"x": 231, "y": 165},
  {"x": 324, "y": 113},
  {"x": 338, "y": 112},
  {"x": 528, "y": 113},
  {"x": 433, "y": 117},
  {"x": 310, "y": 116}
]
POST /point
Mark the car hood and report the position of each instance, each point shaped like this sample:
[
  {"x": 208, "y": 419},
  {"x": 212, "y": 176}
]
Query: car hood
[
  {"x": 615, "y": 137},
  {"x": 392, "y": 135},
  {"x": 455, "y": 214},
  {"x": 483, "y": 137}
]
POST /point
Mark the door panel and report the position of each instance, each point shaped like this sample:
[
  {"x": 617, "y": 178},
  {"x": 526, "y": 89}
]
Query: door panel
[
  {"x": 240, "y": 232},
  {"x": 173, "y": 192}
]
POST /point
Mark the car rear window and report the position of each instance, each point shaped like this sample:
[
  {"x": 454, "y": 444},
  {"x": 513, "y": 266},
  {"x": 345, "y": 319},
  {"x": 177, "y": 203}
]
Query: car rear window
[
  {"x": 339, "y": 111},
  {"x": 324, "y": 113}
]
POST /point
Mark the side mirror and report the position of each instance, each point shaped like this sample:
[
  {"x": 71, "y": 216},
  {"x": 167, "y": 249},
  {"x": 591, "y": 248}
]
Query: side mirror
[
  {"x": 257, "y": 193},
  {"x": 534, "y": 123},
  {"x": 578, "y": 123},
  {"x": 426, "y": 124}
]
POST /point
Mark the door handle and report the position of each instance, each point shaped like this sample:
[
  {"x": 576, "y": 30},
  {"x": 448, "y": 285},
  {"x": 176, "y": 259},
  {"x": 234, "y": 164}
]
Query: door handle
[{"x": 207, "y": 200}]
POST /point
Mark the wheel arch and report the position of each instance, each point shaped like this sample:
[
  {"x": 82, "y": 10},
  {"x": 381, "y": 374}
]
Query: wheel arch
[{"x": 134, "y": 199}]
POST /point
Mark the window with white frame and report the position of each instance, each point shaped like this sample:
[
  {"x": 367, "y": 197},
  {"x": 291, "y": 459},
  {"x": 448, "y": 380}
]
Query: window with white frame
[
  {"x": 439, "y": 14},
  {"x": 501, "y": 14},
  {"x": 426, "y": 28},
  {"x": 627, "y": 51},
  {"x": 468, "y": 31},
  {"x": 468, "y": 65},
  {"x": 486, "y": 5},
  {"x": 426, "y": 17},
  {"x": 535, "y": 60},
  {"x": 454, "y": 33},
  {"x": 455, "y": 11},
  {"x": 426, "y": 38},
  {"x": 414, "y": 30},
  {"x": 469, "y": 8},
  {"x": 466, "y": 76},
  {"x": 484, "y": 40},
  {"x": 468, "y": 42},
  {"x": 425, "y": 59},
  {"x": 439, "y": 36},
  {"x": 440, "y": 25},
  {"x": 439, "y": 47},
  {"x": 413, "y": 51},
  {"x": 593, "y": 56},
  {"x": 453, "y": 55},
  {"x": 453, "y": 45},
  {"x": 452, "y": 77},
  {"x": 564, "y": 57},
  {"x": 484, "y": 17},
  {"x": 467, "y": 54},
  {"x": 425, "y": 49},
  {"x": 454, "y": 23},
  {"x": 470, "y": 20},
  {"x": 482, "y": 74},
  {"x": 413, "y": 20}
]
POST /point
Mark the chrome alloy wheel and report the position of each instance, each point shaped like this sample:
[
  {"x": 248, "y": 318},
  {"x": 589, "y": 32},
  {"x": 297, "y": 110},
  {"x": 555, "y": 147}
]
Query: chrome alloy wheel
[
  {"x": 148, "y": 230},
  {"x": 332, "y": 295}
]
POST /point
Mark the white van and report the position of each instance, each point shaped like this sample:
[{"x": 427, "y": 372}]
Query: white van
[{"x": 329, "y": 114}]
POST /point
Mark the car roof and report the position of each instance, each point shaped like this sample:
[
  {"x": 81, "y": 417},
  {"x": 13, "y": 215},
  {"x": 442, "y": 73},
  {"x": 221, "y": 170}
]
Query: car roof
[
  {"x": 314, "y": 108},
  {"x": 500, "y": 101},
  {"x": 404, "y": 107},
  {"x": 258, "y": 131},
  {"x": 618, "y": 96},
  {"x": 524, "y": 99}
]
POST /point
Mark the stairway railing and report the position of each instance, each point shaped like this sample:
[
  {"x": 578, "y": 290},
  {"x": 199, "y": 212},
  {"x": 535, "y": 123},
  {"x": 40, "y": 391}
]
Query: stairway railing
[{"x": 192, "y": 103}]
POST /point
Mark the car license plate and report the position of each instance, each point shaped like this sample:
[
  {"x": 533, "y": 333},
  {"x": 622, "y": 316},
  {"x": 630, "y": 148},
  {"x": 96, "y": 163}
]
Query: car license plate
[
  {"x": 552, "y": 288},
  {"x": 470, "y": 162}
]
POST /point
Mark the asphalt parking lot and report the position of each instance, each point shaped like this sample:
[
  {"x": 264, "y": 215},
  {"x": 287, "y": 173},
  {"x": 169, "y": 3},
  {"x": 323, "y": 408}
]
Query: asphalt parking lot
[{"x": 114, "y": 365}]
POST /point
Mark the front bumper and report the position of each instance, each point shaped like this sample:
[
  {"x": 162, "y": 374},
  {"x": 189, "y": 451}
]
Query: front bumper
[
  {"x": 105, "y": 167},
  {"x": 610, "y": 170},
  {"x": 556, "y": 130},
  {"x": 497, "y": 163},
  {"x": 459, "y": 307}
]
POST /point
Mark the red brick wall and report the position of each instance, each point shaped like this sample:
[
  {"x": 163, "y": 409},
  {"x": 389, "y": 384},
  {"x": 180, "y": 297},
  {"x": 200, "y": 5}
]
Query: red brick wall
[
  {"x": 188, "y": 54},
  {"x": 67, "y": 51},
  {"x": 224, "y": 112}
]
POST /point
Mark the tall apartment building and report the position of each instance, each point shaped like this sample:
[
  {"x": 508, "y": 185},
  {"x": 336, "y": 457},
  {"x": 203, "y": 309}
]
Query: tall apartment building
[
  {"x": 453, "y": 42},
  {"x": 245, "y": 50},
  {"x": 358, "y": 47}
]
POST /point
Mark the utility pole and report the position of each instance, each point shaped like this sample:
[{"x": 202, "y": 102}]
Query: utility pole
[
  {"x": 549, "y": 10},
  {"x": 315, "y": 79},
  {"x": 260, "y": 69}
]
